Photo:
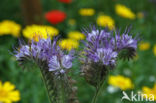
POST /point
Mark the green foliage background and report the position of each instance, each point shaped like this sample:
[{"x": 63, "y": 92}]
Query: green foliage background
[{"x": 29, "y": 81}]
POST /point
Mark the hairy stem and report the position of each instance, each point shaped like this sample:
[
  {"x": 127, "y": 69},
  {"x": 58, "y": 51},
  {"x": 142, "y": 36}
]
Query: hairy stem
[
  {"x": 63, "y": 97},
  {"x": 98, "y": 90},
  {"x": 44, "y": 80},
  {"x": 96, "y": 94},
  {"x": 95, "y": 97}
]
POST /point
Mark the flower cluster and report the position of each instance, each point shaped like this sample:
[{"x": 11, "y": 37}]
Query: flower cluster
[
  {"x": 9, "y": 27},
  {"x": 47, "y": 52},
  {"x": 101, "y": 50},
  {"x": 54, "y": 64},
  {"x": 125, "y": 41},
  {"x": 96, "y": 48},
  {"x": 103, "y": 45},
  {"x": 60, "y": 62},
  {"x": 39, "y": 31},
  {"x": 58, "y": 16}
]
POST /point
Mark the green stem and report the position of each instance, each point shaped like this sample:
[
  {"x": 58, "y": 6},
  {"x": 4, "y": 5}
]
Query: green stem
[
  {"x": 95, "y": 97},
  {"x": 44, "y": 80},
  {"x": 96, "y": 94},
  {"x": 62, "y": 91},
  {"x": 98, "y": 90}
]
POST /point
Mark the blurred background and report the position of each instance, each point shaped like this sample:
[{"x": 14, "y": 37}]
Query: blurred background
[{"x": 22, "y": 18}]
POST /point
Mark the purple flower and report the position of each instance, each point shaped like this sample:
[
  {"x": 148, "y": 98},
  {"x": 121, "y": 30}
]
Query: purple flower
[
  {"x": 106, "y": 55},
  {"x": 101, "y": 50},
  {"x": 98, "y": 46},
  {"x": 54, "y": 63},
  {"x": 125, "y": 41},
  {"x": 42, "y": 49},
  {"x": 46, "y": 52},
  {"x": 23, "y": 51},
  {"x": 59, "y": 64},
  {"x": 66, "y": 61},
  {"x": 101, "y": 45}
]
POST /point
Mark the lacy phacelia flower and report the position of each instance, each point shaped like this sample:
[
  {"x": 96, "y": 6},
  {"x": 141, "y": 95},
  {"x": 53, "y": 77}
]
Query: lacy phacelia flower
[
  {"x": 125, "y": 44},
  {"x": 149, "y": 91},
  {"x": 55, "y": 16},
  {"x": 37, "y": 32},
  {"x": 60, "y": 64},
  {"x": 98, "y": 47},
  {"x": 69, "y": 44},
  {"x": 101, "y": 50},
  {"x": 144, "y": 46},
  {"x": 65, "y": 1},
  {"x": 42, "y": 49},
  {"x": 106, "y": 55},
  {"x": 76, "y": 35},
  {"x": 125, "y": 12},
  {"x": 23, "y": 52},
  {"x": 86, "y": 12},
  {"x": 8, "y": 94},
  {"x": 121, "y": 82},
  {"x": 54, "y": 64},
  {"x": 105, "y": 21},
  {"x": 97, "y": 39},
  {"x": 45, "y": 51},
  {"x": 125, "y": 41},
  {"x": 10, "y": 27}
]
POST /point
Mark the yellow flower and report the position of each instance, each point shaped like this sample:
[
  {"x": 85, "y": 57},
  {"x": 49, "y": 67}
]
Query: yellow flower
[
  {"x": 154, "y": 50},
  {"x": 72, "y": 22},
  {"x": 69, "y": 44},
  {"x": 76, "y": 35},
  {"x": 8, "y": 94},
  {"x": 140, "y": 15},
  {"x": 86, "y": 12},
  {"x": 121, "y": 82},
  {"x": 39, "y": 31},
  {"x": 125, "y": 12},
  {"x": 105, "y": 21},
  {"x": 9, "y": 27},
  {"x": 149, "y": 91},
  {"x": 144, "y": 46}
]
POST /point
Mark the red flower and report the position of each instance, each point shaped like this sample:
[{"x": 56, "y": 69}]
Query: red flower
[
  {"x": 65, "y": 1},
  {"x": 55, "y": 16}
]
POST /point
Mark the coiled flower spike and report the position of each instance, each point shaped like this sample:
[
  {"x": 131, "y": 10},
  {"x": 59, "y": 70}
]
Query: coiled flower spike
[
  {"x": 101, "y": 51},
  {"x": 54, "y": 65},
  {"x": 100, "y": 54}
]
